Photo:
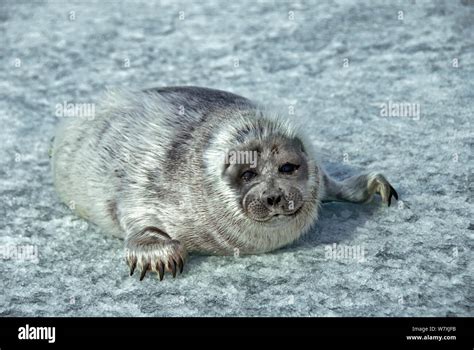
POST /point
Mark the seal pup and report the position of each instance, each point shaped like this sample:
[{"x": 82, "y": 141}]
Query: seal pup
[{"x": 177, "y": 170}]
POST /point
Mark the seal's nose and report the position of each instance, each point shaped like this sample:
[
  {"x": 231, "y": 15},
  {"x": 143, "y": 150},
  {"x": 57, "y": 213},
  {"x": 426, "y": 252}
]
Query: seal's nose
[{"x": 272, "y": 199}]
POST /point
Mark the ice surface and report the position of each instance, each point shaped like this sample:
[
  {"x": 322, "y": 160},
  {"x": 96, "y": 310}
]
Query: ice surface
[{"x": 334, "y": 63}]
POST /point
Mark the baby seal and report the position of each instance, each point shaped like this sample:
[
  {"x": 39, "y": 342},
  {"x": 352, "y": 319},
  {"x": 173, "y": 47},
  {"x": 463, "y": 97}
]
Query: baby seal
[{"x": 177, "y": 170}]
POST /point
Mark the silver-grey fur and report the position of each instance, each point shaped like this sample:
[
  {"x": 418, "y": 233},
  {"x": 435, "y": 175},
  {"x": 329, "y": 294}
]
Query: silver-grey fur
[{"x": 149, "y": 168}]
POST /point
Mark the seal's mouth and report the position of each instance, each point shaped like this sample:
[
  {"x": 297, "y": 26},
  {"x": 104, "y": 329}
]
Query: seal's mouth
[
  {"x": 289, "y": 214},
  {"x": 273, "y": 217}
]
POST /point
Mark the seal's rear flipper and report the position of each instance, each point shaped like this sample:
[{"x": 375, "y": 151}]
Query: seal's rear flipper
[{"x": 358, "y": 189}]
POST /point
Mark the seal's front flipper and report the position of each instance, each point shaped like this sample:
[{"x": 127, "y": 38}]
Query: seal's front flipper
[
  {"x": 358, "y": 189},
  {"x": 152, "y": 249}
]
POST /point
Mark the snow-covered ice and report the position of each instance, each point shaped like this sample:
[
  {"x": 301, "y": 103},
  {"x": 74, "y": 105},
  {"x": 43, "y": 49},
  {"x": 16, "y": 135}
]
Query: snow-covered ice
[{"x": 333, "y": 66}]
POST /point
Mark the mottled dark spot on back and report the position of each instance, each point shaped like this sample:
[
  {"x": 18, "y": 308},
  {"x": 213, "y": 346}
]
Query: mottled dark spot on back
[
  {"x": 152, "y": 183},
  {"x": 119, "y": 173},
  {"x": 109, "y": 151},
  {"x": 103, "y": 129},
  {"x": 112, "y": 210},
  {"x": 180, "y": 144},
  {"x": 175, "y": 153}
]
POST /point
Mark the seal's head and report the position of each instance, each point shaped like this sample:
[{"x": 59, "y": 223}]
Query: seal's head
[
  {"x": 271, "y": 176},
  {"x": 269, "y": 182}
]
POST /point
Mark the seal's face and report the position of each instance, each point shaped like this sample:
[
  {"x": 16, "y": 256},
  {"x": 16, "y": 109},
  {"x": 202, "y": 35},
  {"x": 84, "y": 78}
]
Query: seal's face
[{"x": 271, "y": 177}]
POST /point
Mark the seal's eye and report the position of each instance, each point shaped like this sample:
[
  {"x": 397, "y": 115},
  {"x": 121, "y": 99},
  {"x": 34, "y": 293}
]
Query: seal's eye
[
  {"x": 288, "y": 168},
  {"x": 248, "y": 175}
]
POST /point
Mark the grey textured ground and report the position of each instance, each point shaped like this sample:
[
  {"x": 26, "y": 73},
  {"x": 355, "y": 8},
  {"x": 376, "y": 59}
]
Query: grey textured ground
[{"x": 418, "y": 253}]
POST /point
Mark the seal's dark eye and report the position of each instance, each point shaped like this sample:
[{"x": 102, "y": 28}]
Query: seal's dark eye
[
  {"x": 248, "y": 175},
  {"x": 288, "y": 168}
]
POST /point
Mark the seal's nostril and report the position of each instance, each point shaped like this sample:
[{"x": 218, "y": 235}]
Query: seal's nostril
[{"x": 273, "y": 200}]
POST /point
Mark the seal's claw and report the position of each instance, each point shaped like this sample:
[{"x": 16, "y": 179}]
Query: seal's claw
[
  {"x": 392, "y": 191},
  {"x": 144, "y": 270},
  {"x": 161, "y": 270},
  {"x": 180, "y": 264},
  {"x": 158, "y": 255},
  {"x": 173, "y": 267},
  {"x": 133, "y": 264}
]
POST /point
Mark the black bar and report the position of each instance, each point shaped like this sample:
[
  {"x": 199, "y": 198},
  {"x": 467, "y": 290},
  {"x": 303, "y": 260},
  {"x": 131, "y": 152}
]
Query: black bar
[{"x": 136, "y": 331}]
